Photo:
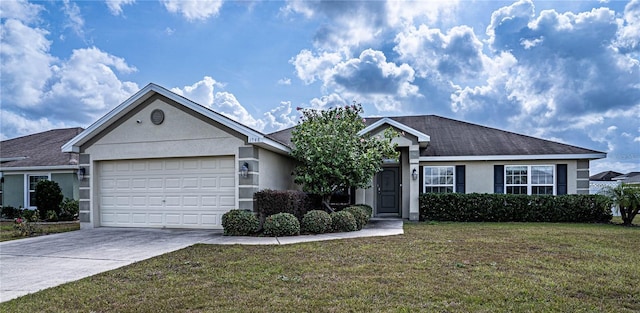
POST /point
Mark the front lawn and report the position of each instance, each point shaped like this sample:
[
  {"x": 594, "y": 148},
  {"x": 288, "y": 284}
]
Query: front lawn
[
  {"x": 438, "y": 267},
  {"x": 7, "y": 232}
]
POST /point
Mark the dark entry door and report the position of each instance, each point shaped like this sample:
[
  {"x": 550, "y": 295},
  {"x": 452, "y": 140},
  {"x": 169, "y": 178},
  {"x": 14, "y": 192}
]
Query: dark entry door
[{"x": 389, "y": 191}]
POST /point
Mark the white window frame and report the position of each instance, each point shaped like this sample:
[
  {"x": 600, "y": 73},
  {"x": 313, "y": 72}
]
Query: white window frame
[
  {"x": 529, "y": 183},
  {"x": 27, "y": 189},
  {"x": 424, "y": 177}
]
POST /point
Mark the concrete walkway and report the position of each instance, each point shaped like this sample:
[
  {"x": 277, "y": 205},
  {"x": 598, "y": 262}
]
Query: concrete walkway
[{"x": 32, "y": 264}]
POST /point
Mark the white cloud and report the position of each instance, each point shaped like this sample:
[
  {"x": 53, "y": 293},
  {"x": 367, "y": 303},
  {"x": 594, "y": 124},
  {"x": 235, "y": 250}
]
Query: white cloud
[
  {"x": 194, "y": 10},
  {"x": 310, "y": 67},
  {"x": 25, "y": 63},
  {"x": 456, "y": 54},
  {"x": 284, "y": 81},
  {"x": 281, "y": 117},
  {"x": 74, "y": 18},
  {"x": 22, "y": 125},
  {"x": 201, "y": 92},
  {"x": 115, "y": 6},
  {"x": 20, "y": 10},
  {"x": 628, "y": 35}
]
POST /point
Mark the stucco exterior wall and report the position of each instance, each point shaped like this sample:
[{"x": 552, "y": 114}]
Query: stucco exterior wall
[
  {"x": 275, "y": 171},
  {"x": 13, "y": 190},
  {"x": 479, "y": 174},
  {"x": 180, "y": 135},
  {"x": 68, "y": 183}
]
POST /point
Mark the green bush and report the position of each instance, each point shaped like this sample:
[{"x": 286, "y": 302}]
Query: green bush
[
  {"x": 476, "y": 207},
  {"x": 281, "y": 224},
  {"x": 239, "y": 223},
  {"x": 270, "y": 202},
  {"x": 368, "y": 209},
  {"x": 343, "y": 221},
  {"x": 360, "y": 214},
  {"x": 48, "y": 197},
  {"x": 30, "y": 215},
  {"x": 10, "y": 212},
  {"x": 69, "y": 210},
  {"x": 316, "y": 221},
  {"x": 52, "y": 216}
]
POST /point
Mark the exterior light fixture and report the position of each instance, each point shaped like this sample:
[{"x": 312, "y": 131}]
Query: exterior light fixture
[
  {"x": 414, "y": 174},
  {"x": 81, "y": 173},
  {"x": 244, "y": 170}
]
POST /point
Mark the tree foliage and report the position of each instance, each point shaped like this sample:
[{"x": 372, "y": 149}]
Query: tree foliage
[
  {"x": 331, "y": 153},
  {"x": 626, "y": 199},
  {"x": 48, "y": 197}
]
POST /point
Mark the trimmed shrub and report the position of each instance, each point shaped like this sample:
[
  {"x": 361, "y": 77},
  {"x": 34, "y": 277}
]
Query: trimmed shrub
[
  {"x": 239, "y": 223},
  {"x": 281, "y": 224},
  {"x": 48, "y": 197},
  {"x": 343, "y": 221},
  {"x": 69, "y": 210},
  {"x": 316, "y": 221},
  {"x": 10, "y": 212},
  {"x": 476, "y": 207},
  {"x": 30, "y": 215},
  {"x": 360, "y": 214},
  {"x": 368, "y": 209},
  {"x": 270, "y": 202}
]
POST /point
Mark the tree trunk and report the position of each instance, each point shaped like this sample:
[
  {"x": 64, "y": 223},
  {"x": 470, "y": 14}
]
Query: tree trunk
[{"x": 326, "y": 202}]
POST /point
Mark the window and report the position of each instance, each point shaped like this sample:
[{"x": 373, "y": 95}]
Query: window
[
  {"x": 33, "y": 181},
  {"x": 439, "y": 179},
  {"x": 529, "y": 179}
]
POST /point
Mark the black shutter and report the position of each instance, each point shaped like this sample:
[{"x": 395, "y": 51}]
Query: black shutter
[
  {"x": 498, "y": 179},
  {"x": 460, "y": 179},
  {"x": 561, "y": 179}
]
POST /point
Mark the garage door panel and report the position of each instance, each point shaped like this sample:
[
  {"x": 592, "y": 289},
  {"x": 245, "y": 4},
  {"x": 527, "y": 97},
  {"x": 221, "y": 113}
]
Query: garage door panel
[{"x": 189, "y": 192}]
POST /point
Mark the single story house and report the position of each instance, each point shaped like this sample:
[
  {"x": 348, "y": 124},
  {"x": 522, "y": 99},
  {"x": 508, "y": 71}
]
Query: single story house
[
  {"x": 161, "y": 160},
  {"x": 24, "y": 161}
]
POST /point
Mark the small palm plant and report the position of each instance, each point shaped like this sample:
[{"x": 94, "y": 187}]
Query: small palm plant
[{"x": 626, "y": 199}]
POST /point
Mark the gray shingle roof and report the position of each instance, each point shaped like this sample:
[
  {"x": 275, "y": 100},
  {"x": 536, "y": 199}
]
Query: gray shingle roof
[
  {"x": 41, "y": 149},
  {"x": 456, "y": 138},
  {"x": 604, "y": 176}
]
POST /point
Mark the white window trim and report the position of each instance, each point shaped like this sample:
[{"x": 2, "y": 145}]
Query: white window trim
[
  {"x": 26, "y": 188},
  {"x": 424, "y": 177},
  {"x": 529, "y": 172}
]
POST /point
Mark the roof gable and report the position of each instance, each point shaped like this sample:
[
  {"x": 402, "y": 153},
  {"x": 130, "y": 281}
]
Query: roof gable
[
  {"x": 423, "y": 139},
  {"x": 253, "y": 136},
  {"x": 38, "y": 150}
]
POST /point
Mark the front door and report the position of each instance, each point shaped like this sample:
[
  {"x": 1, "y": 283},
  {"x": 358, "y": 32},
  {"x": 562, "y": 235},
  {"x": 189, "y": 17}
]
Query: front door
[{"x": 389, "y": 191}]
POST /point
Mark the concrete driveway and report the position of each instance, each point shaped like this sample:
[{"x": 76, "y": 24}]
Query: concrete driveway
[{"x": 32, "y": 264}]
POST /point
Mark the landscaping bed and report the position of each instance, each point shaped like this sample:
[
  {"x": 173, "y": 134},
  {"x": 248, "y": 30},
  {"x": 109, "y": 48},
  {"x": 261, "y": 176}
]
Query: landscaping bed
[
  {"x": 8, "y": 232},
  {"x": 434, "y": 267}
]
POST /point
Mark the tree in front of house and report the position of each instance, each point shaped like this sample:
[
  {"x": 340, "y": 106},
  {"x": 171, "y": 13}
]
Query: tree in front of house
[
  {"x": 626, "y": 199},
  {"x": 331, "y": 153},
  {"x": 48, "y": 197}
]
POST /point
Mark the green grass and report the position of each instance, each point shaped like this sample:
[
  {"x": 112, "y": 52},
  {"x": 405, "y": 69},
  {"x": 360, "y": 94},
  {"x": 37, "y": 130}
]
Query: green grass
[
  {"x": 7, "y": 232},
  {"x": 439, "y": 267}
]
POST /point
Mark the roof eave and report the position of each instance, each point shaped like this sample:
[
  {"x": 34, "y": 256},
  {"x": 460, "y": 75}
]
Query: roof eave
[{"x": 589, "y": 156}]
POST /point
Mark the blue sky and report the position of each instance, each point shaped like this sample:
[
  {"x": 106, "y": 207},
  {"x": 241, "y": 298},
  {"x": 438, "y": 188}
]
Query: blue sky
[{"x": 567, "y": 71}]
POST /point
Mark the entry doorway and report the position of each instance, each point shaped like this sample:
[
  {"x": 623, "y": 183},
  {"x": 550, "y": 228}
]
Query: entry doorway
[{"x": 388, "y": 186}]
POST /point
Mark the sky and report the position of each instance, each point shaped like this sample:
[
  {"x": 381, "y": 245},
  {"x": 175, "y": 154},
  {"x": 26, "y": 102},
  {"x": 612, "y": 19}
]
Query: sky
[{"x": 567, "y": 71}]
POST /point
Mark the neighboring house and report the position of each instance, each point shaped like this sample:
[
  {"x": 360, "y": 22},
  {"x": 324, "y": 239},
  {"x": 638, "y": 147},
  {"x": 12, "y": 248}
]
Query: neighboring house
[
  {"x": 631, "y": 178},
  {"x": 161, "y": 160},
  {"x": 602, "y": 180},
  {"x": 26, "y": 160}
]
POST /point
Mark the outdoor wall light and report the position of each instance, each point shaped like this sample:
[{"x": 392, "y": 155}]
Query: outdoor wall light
[
  {"x": 244, "y": 170},
  {"x": 414, "y": 174},
  {"x": 81, "y": 172}
]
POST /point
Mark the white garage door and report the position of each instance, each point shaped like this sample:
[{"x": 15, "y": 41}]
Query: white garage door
[{"x": 175, "y": 193}]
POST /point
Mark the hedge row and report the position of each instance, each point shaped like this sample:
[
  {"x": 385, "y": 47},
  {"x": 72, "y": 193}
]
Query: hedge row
[
  {"x": 514, "y": 208},
  {"x": 270, "y": 202}
]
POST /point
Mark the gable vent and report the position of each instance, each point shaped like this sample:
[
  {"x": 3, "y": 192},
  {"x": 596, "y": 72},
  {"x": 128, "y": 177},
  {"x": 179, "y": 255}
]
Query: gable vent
[{"x": 157, "y": 117}]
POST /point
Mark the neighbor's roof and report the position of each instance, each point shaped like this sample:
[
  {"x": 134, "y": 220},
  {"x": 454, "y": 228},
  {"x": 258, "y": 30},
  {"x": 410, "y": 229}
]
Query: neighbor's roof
[
  {"x": 451, "y": 140},
  {"x": 41, "y": 150},
  {"x": 629, "y": 178},
  {"x": 604, "y": 176}
]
